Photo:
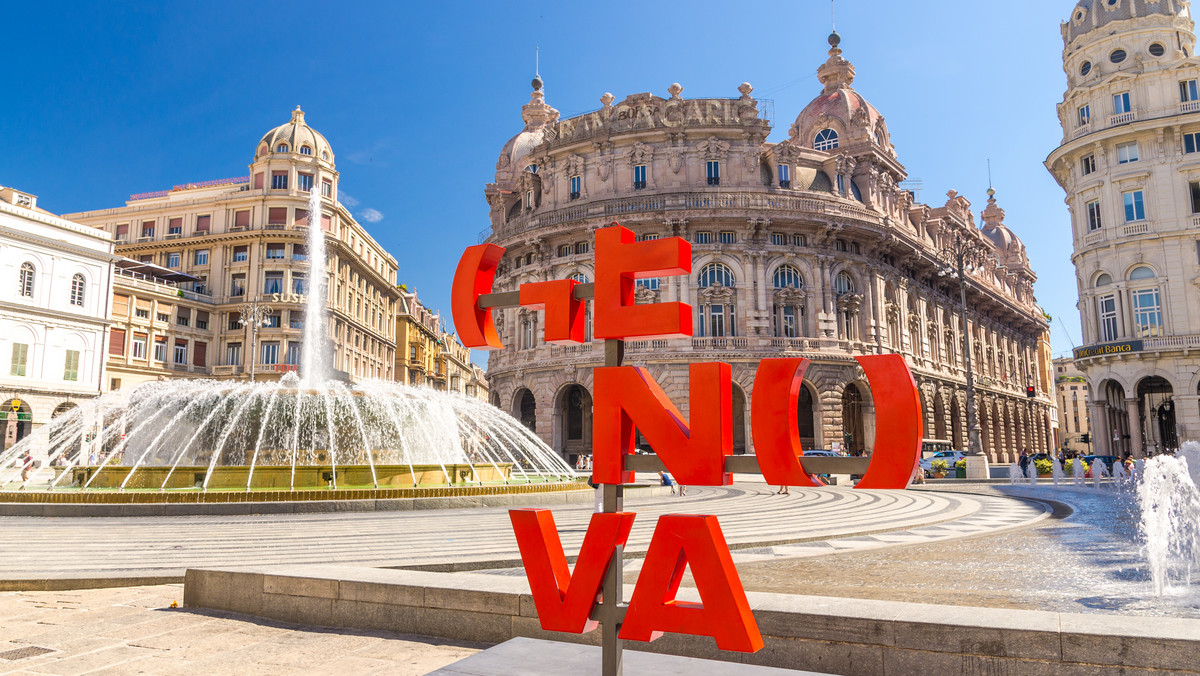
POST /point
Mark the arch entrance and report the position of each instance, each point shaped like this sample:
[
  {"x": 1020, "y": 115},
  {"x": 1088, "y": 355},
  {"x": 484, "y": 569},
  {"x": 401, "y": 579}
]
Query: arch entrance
[
  {"x": 1117, "y": 413},
  {"x": 526, "y": 409},
  {"x": 573, "y": 423},
  {"x": 806, "y": 418},
  {"x": 16, "y": 418},
  {"x": 739, "y": 420},
  {"x": 956, "y": 430},
  {"x": 854, "y": 429},
  {"x": 1156, "y": 410}
]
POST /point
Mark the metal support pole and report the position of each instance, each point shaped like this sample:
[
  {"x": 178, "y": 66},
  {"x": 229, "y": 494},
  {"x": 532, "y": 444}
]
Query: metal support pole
[{"x": 612, "y": 594}]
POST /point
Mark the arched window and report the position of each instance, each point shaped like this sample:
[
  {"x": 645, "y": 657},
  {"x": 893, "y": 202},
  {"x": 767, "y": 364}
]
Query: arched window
[
  {"x": 1104, "y": 280},
  {"x": 581, "y": 278},
  {"x": 715, "y": 274},
  {"x": 305, "y": 150},
  {"x": 324, "y": 155},
  {"x": 827, "y": 139},
  {"x": 651, "y": 283},
  {"x": 716, "y": 308},
  {"x": 843, "y": 284},
  {"x": 787, "y": 276},
  {"x": 1147, "y": 305},
  {"x": 77, "y": 287},
  {"x": 27, "y": 273},
  {"x": 789, "y": 308},
  {"x": 281, "y": 148},
  {"x": 1141, "y": 272}
]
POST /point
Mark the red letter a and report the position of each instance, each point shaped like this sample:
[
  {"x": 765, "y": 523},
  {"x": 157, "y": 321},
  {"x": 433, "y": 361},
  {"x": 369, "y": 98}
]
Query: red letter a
[
  {"x": 563, "y": 600},
  {"x": 724, "y": 613}
]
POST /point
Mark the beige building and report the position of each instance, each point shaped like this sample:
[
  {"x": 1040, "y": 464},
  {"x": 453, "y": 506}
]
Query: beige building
[
  {"x": 57, "y": 281},
  {"x": 243, "y": 240},
  {"x": 427, "y": 355},
  {"x": 807, "y": 247},
  {"x": 1130, "y": 165},
  {"x": 1072, "y": 393}
]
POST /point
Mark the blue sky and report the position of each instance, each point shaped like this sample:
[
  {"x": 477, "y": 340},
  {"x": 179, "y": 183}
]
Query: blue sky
[{"x": 108, "y": 99}]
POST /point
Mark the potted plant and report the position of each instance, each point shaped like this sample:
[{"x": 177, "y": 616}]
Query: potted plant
[
  {"x": 960, "y": 469},
  {"x": 939, "y": 468},
  {"x": 1044, "y": 466}
]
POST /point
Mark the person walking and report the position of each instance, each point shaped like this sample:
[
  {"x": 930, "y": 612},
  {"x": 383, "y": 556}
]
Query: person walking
[
  {"x": 783, "y": 490},
  {"x": 1024, "y": 461},
  {"x": 26, "y": 466}
]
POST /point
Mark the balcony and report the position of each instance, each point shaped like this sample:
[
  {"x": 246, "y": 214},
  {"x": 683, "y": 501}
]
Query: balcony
[
  {"x": 719, "y": 343},
  {"x": 1189, "y": 106},
  {"x": 1094, "y": 237},
  {"x": 1171, "y": 343},
  {"x": 1136, "y": 229},
  {"x": 1196, "y": 221},
  {"x": 1082, "y": 130},
  {"x": 1122, "y": 118}
]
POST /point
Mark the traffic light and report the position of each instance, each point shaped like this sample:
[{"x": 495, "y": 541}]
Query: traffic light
[
  {"x": 1085, "y": 438},
  {"x": 1030, "y": 392}
]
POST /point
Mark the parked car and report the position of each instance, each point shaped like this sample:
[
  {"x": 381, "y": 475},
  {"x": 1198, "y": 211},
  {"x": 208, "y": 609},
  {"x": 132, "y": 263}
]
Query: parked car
[
  {"x": 950, "y": 457},
  {"x": 1108, "y": 460}
]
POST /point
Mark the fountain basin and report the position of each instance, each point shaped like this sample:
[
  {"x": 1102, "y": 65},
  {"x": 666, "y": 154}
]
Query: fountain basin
[{"x": 236, "y": 477}]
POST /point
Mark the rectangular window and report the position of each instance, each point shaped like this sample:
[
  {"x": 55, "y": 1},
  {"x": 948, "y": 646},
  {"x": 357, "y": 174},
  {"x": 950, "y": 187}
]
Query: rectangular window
[
  {"x": 20, "y": 358},
  {"x": 122, "y": 230},
  {"x": 279, "y": 180},
  {"x": 778, "y": 238},
  {"x": 160, "y": 348},
  {"x": 139, "y": 346},
  {"x": 201, "y": 319},
  {"x": 305, "y": 182},
  {"x": 1198, "y": 252},
  {"x": 1194, "y": 190},
  {"x": 704, "y": 238},
  {"x": 162, "y": 317},
  {"x": 147, "y": 228},
  {"x": 272, "y": 320},
  {"x": 173, "y": 259},
  {"x": 200, "y": 257},
  {"x": 276, "y": 251},
  {"x": 1093, "y": 215},
  {"x": 293, "y": 353},
  {"x": 184, "y": 318},
  {"x": 799, "y": 240},
  {"x": 181, "y": 352},
  {"x": 1088, "y": 164},
  {"x": 200, "y": 354},
  {"x": 1127, "y": 152},
  {"x": 237, "y": 284},
  {"x": 233, "y": 354},
  {"x": 1147, "y": 313},
  {"x": 175, "y": 226},
  {"x": 576, "y": 185},
  {"x": 299, "y": 252},
  {"x": 277, "y": 216},
  {"x": 299, "y": 282},
  {"x": 785, "y": 176},
  {"x": 1108, "y": 318},
  {"x": 326, "y": 188},
  {"x": 142, "y": 313},
  {"x": 1121, "y": 103},
  {"x": 270, "y": 353},
  {"x": 296, "y": 319},
  {"x": 581, "y": 247},
  {"x": 564, "y": 250},
  {"x": 202, "y": 223},
  {"x": 241, "y": 253},
  {"x": 241, "y": 219},
  {"x": 273, "y": 282},
  {"x": 639, "y": 176},
  {"x": 1135, "y": 210},
  {"x": 713, "y": 169},
  {"x": 1188, "y": 91},
  {"x": 116, "y": 342},
  {"x": 727, "y": 237},
  {"x": 71, "y": 365},
  {"x": 1085, "y": 115}
]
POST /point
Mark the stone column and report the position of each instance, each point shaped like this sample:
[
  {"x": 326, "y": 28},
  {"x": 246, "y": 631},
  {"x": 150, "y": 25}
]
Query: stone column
[
  {"x": 1098, "y": 428},
  {"x": 1135, "y": 429}
]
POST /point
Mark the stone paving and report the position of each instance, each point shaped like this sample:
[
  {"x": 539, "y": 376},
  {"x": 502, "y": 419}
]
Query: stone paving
[
  {"x": 161, "y": 548},
  {"x": 133, "y": 630}
]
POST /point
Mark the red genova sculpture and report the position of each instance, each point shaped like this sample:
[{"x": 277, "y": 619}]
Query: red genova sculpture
[{"x": 626, "y": 400}]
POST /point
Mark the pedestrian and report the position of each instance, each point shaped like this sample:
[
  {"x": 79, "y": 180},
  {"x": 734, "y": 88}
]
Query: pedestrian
[
  {"x": 1024, "y": 461},
  {"x": 682, "y": 490},
  {"x": 666, "y": 480},
  {"x": 26, "y": 466},
  {"x": 783, "y": 490},
  {"x": 918, "y": 475}
]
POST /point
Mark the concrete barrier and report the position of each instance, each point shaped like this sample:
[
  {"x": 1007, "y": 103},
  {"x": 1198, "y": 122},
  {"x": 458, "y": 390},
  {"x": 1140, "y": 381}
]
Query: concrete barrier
[{"x": 823, "y": 634}]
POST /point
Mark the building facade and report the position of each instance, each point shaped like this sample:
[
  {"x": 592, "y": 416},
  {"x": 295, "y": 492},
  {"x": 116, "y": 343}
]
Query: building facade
[
  {"x": 1073, "y": 396},
  {"x": 1130, "y": 165},
  {"x": 53, "y": 314},
  {"x": 428, "y": 355},
  {"x": 807, "y": 247},
  {"x": 243, "y": 240}
]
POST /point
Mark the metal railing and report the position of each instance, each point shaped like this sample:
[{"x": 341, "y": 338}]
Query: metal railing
[
  {"x": 1136, "y": 229},
  {"x": 1122, "y": 118}
]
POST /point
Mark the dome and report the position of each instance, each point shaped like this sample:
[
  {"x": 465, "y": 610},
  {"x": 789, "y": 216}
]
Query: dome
[
  {"x": 839, "y": 108},
  {"x": 1089, "y": 15},
  {"x": 297, "y": 136},
  {"x": 1009, "y": 248},
  {"x": 537, "y": 116}
]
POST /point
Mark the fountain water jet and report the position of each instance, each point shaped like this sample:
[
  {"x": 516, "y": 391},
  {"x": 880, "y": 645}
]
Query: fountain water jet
[{"x": 1170, "y": 522}]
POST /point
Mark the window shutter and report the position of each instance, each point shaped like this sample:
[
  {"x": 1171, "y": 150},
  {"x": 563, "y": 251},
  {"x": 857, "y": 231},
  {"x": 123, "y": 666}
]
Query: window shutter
[
  {"x": 120, "y": 305},
  {"x": 326, "y": 222},
  {"x": 258, "y": 181},
  {"x": 175, "y": 223},
  {"x": 201, "y": 316},
  {"x": 242, "y": 218},
  {"x": 181, "y": 342},
  {"x": 202, "y": 223},
  {"x": 200, "y": 354},
  {"x": 302, "y": 217},
  {"x": 123, "y": 229},
  {"x": 116, "y": 342},
  {"x": 277, "y": 215}
]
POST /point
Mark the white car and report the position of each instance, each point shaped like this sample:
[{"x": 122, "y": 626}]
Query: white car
[{"x": 950, "y": 457}]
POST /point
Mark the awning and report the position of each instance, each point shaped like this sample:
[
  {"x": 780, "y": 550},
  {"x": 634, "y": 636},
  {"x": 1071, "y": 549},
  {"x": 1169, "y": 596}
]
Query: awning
[{"x": 155, "y": 271}]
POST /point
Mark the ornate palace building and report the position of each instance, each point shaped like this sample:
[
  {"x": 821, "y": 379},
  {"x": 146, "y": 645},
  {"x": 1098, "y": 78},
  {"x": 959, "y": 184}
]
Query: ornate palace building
[
  {"x": 1130, "y": 165},
  {"x": 208, "y": 248},
  {"x": 806, "y": 247},
  {"x": 429, "y": 355}
]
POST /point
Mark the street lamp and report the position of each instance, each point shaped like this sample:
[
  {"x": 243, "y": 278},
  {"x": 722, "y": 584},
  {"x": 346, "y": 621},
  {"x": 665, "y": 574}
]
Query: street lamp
[
  {"x": 255, "y": 316},
  {"x": 962, "y": 254}
]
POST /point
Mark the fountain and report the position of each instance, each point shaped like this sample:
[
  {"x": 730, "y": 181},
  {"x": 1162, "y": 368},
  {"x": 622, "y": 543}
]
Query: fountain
[
  {"x": 1056, "y": 470},
  {"x": 1170, "y": 522},
  {"x": 308, "y": 432},
  {"x": 1015, "y": 474},
  {"x": 1078, "y": 470},
  {"x": 1099, "y": 472},
  {"x": 1031, "y": 472}
]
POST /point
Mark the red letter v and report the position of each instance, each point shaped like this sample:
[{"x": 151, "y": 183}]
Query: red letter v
[{"x": 563, "y": 600}]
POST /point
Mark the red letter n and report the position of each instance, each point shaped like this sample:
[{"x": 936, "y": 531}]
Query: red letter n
[
  {"x": 619, "y": 261},
  {"x": 627, "y": 400}
]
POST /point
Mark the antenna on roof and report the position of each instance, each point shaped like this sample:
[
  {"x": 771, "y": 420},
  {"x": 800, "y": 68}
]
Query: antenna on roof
[
  {"x": 833, "y": 14},
  {"x": 537, "y": 61},
  {"x": 989, "y": 162}
]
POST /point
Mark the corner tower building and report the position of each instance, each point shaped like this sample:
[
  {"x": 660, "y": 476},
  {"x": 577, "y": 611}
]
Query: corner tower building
[
  {"x": 806, "y": 247},
  {"x": 1130, "y": 165}
]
